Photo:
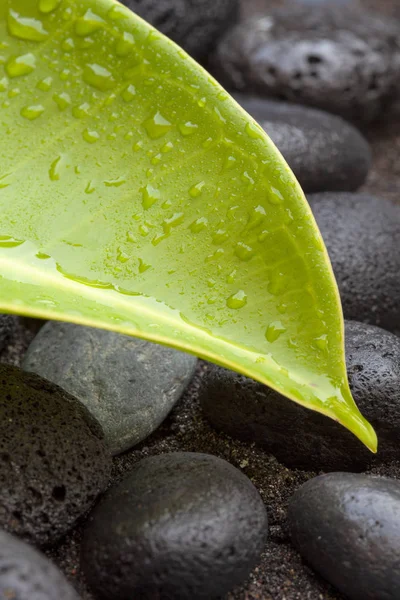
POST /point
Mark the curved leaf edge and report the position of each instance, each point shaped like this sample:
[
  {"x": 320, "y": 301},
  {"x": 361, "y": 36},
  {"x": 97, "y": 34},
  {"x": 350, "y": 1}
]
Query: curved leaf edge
[{"x": 354, "y": 422}]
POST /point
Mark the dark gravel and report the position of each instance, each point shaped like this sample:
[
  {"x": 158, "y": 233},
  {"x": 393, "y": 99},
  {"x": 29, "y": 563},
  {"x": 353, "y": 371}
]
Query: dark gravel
[{"x": 281, "y": 574}]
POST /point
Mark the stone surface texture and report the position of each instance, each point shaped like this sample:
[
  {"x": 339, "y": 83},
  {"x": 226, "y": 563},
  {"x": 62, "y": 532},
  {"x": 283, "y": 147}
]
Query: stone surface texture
[
  {"x": 53, "y": 459},
  {"x": 331, "y": 56},
  {"x": 348, "y": 528},
  {"x": 25, "y": 574},
  {"x": 362, "y": 233},
  {"x": 128, "y": 384},
  {"x": 184, "y": 526}
]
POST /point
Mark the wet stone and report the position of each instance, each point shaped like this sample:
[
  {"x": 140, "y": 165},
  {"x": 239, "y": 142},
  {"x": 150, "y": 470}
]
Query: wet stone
[
  {"x": 325, "y": 152},
  {"x": 186, "y": 526},
  {"x": 334, "y": 56},
  {"x": 25, "y": 574},
  {"x": 301, "y": 438},
  {"x": 128, "y": 384},
  {"x": 53, "y": 458},
  {"x": 362, "y": 235},
  {"x": 352, "y": 522},
  {"x": 195, "y": 25}
]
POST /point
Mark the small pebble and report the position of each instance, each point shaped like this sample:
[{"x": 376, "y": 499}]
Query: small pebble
[
  {"x": 362, "y": 235},
  {"x": 128, "y": 384},
  {"x": 53, "y": 459},
  {"x": 347, "y": 527},
  {"x": 182, "y": 526},
  {"x": 324, "y": 152},
  {"x": 25, "y": 574},
  {"x": 334, "y": 57},
  {"x": 301, "y": 438}
]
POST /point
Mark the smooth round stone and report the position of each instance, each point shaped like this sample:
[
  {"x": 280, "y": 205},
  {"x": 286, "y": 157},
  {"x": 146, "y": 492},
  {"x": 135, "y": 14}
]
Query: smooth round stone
[
  {"x": 330, "y": 56},
  {"x": 195, "y": 25},
  {"x": 324, "y": 152},
  {"x": 128, "y": 384},
  {"x": 301, "y": 438},
  {"x": 185, "y": 526},
  {"x": 348, "y": 528},
  {"x": 25, "y": 574},
  {"x": 6, "y": 327},
  {"x": 362, "y": 235},
  {"x": 53, "y": 459}
]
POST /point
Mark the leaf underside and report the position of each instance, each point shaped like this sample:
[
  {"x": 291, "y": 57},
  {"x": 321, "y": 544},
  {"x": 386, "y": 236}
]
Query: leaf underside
[{"x": 137, "y": 196}]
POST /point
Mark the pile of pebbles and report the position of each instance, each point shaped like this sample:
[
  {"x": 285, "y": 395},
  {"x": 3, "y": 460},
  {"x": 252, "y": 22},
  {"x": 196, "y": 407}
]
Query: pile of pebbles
[{"x": 132, "y": 470}]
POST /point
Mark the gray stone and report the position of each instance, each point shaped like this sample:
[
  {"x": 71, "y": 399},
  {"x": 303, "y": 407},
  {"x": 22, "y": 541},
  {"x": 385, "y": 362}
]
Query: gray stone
[
  {"x": 185, "y": 526},
  {"x": 348, "y": 528},
  {"x": 362, "y": 234},
  {"x": 53, "y": 459},
  {"x": 332, "y": 57},
  {"x": 324, "y": 152},
  {"x": 128, "y": 384},
  {"x": 196, "y": 25},
  {"x": 25, "y": 574},
  {"x": 6, "y": 327},
  {"x": 301, "y": 438}
]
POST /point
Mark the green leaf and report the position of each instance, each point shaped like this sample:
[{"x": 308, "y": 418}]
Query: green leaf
[{"x": 137, "y": 196}]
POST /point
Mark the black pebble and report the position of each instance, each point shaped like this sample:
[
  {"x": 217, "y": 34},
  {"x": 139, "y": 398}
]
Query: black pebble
[
  {"x": 181, "y": 526},
  {"x": 53, "y": 459},
  {"x": 301, "y": 438},
  {"x": 348, "y": 528},
  {"x": 25, "y": 574},
  {"x": 362, "y": 235},
  {"x": 324, "y": 152},
  {"x": 330, "y": 56},
  {"x": 195, "y": 25}
]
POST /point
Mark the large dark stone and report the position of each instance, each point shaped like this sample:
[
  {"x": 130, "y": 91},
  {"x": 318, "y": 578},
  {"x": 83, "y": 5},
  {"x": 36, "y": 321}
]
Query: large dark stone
[
  {"x": 128, "y": 384},
  {"x": 324, "y": 152},
  {"x": 362, "y": 234},
  {"x": 301, "y": 438},
  {"x": 53, "y": 459},
  {"x": 25, "y": 574},
  {"x": 181, "y": 526},
  {"x": 348, "y": 528},
  {"x": 196, "y": 25},
  {"x": 6, "y": 327},
  {"x": 330, "y": 56}
]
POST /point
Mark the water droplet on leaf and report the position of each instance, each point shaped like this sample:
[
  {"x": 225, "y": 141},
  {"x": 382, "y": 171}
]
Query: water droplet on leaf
[
  {"x": 90, "y": 136},
  {"x": 274, "y": 331},
  {"x": 125, "y": 44},
  {"x": 198, "y": 225},
  {"x": 54, "y": 171},
  {"x": 254, "y": 131},
  {"x": 32, "y": 112},
  {"x": 129, "y": 93},
  {"x": 45, "y": 84},
  {"x": 150, "y": 196},
  {"x": 62, "y": 100},
  {"x": 188, "y": 128},
  {"x": 48, "y": 6},
  {"x": 89, "y": 23},
  {"x": 26, "y": 28},
  {"x": 196, "y": 190},
  {"x": 99, "y": 77},
  {"x": 21, "y": 65},
  {"x": 238, "y": 300},
  {"x": 243, "y": 251},
  {"x": 157, "y": 126}
]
